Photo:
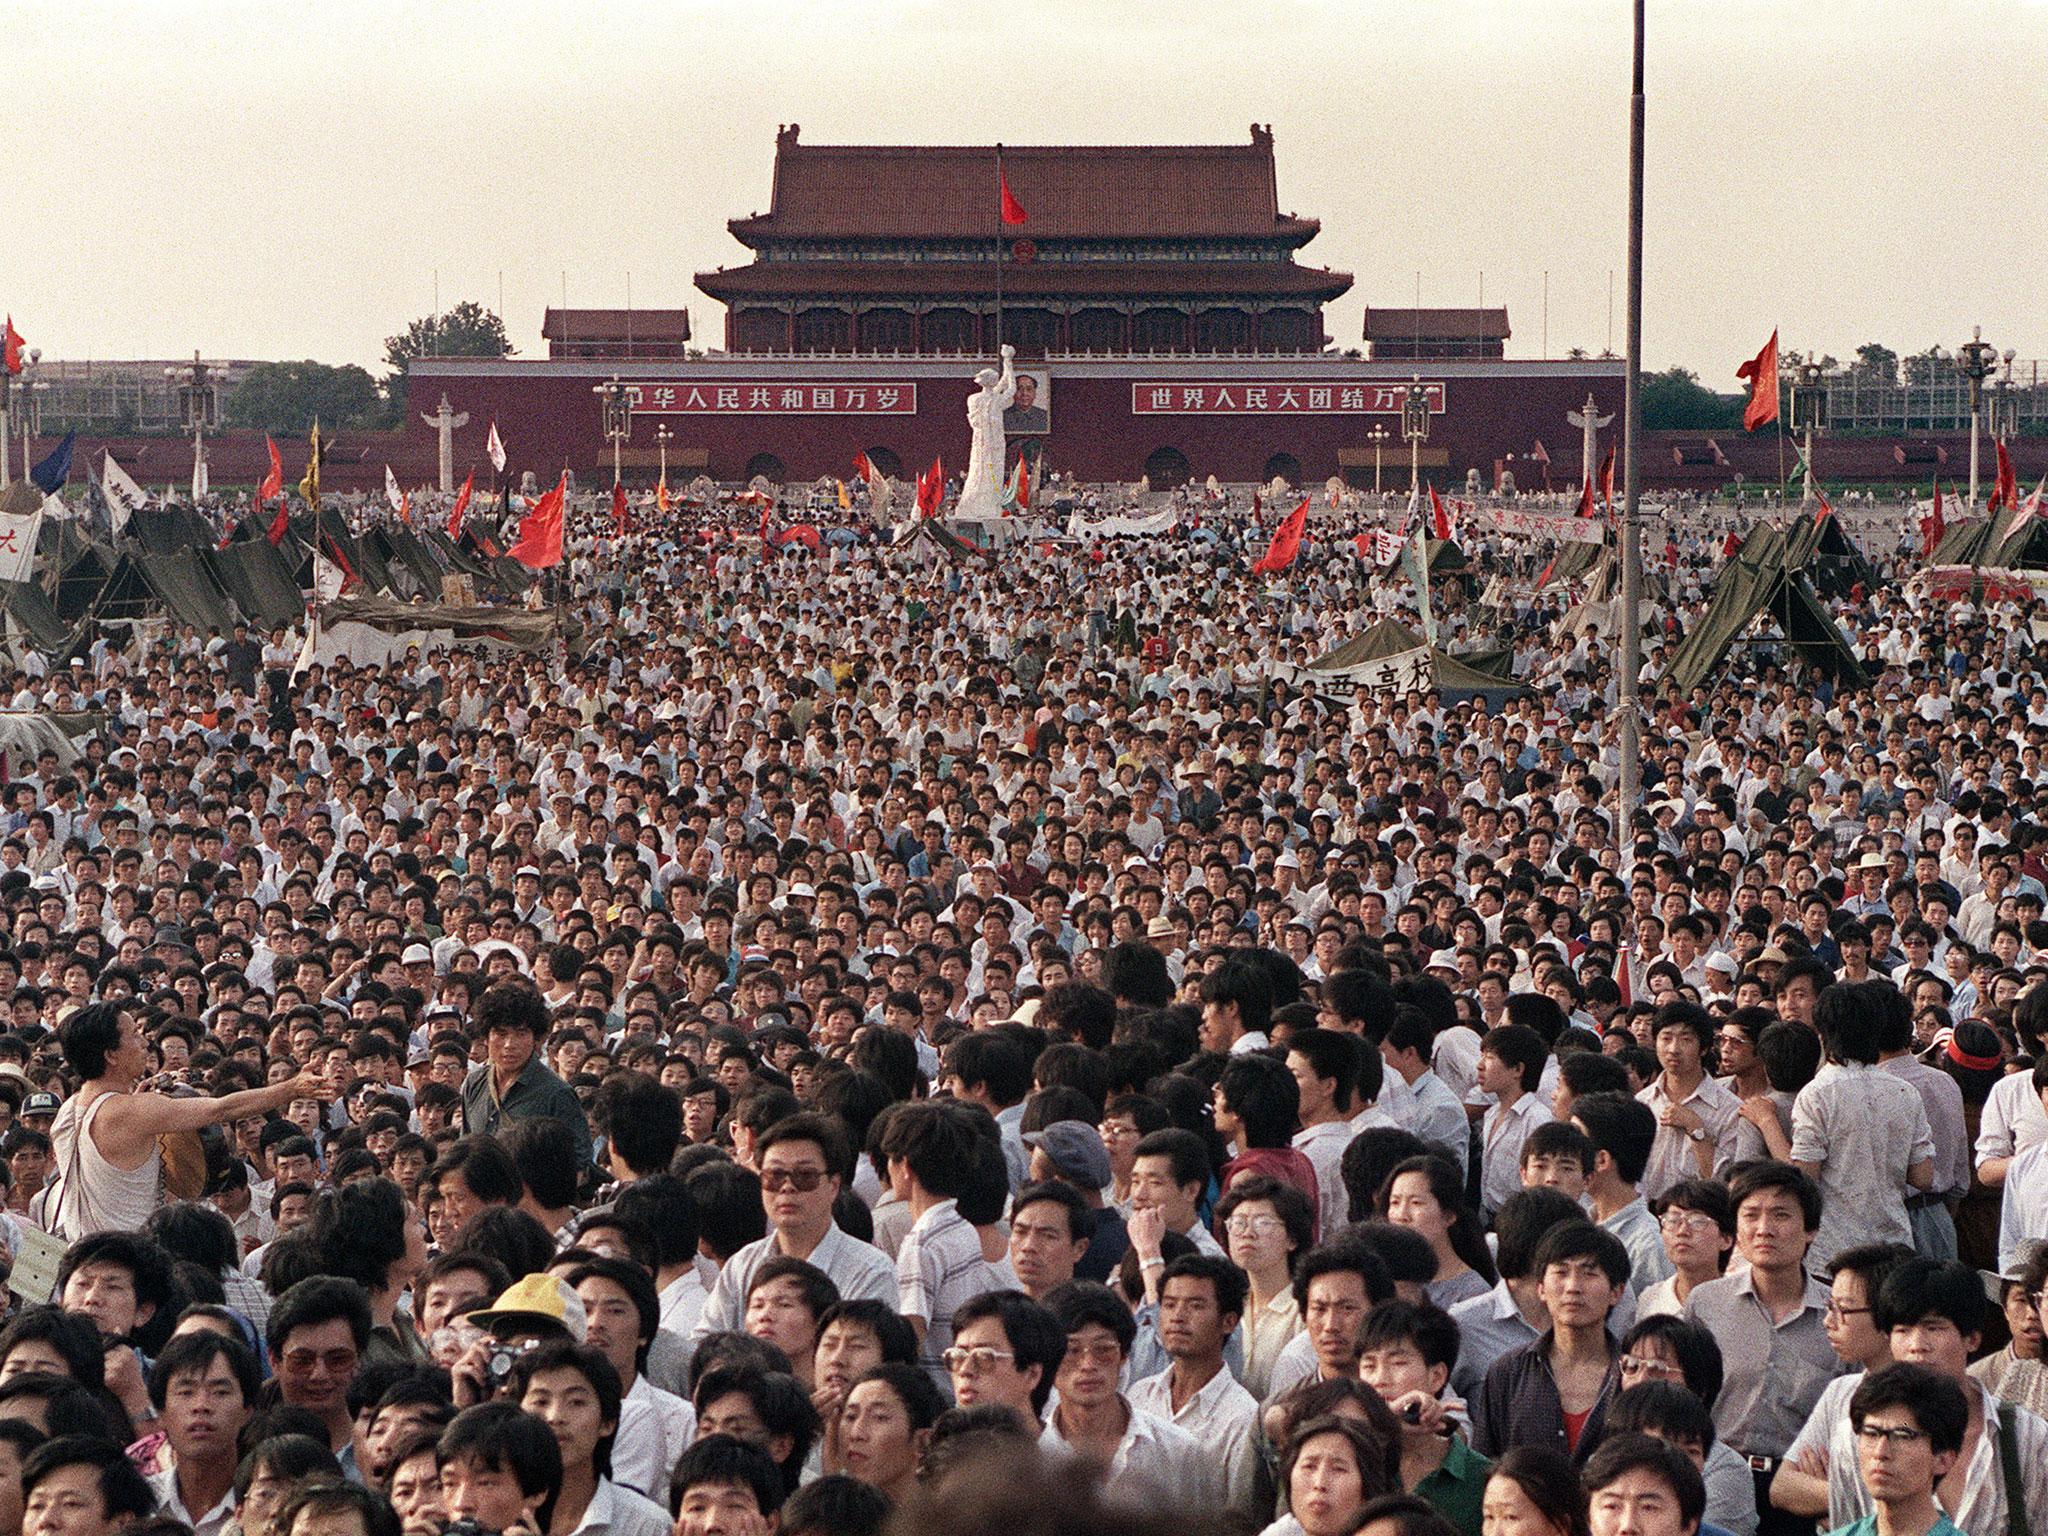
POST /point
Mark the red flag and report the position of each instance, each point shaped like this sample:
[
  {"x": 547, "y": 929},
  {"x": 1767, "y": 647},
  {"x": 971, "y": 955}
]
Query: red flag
[
  {"x": 1729, "y": 546},
  {"x": 2005, "y": 491},
  {"x": 540, "y": 532},
  {"x": 461, "y": 506},
  {"x": 1825, "y": 510},
  {"x": 765, "y": 504},
  {"x": 1607, "y": 479},
  {"x": 1286, "y": 542},
  {"x": 273, "y": 483},
  {"x": 1439, "y": 519},
  {"x": 1586, "y": 498},
  {"x": 1013, "y": 211},
  {"x": 1542, "y": 579},
  {"x": 279, "y": 524},
  {"x": 619, "y": 507},
  {"x": 931, "y": 489},
  {"x": 865, "y": 468},
  {"x": 405, "y": 508},
  {"x": 13, "y": 345},
  {"x": 1762, "y": 373},
  {"x": 1932, "y": 527},
  {"x": 348, "y": 572}
]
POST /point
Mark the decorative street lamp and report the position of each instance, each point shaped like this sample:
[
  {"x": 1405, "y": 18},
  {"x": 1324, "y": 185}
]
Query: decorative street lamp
[
  {"x": 1976, "y": 358},
  {"x": 198, "y": 408},
  {"x": 31, "y": 407},
  {"x": 618, "y": 416},
  {"x": 663, "y": 435},
  {"x": 1809, "y": 414},
  {"x": 2005, "y": 402},
  {"x": 1378, "y": 437},
  {"x": 1415, "y": 427}
]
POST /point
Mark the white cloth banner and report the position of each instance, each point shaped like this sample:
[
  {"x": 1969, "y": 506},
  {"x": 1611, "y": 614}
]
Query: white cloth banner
[
  {"x": 18, "y": 544},
  {"x": 328, "y": 579},
  {"x": 1401, "y": 672},
  {"x": 1551, "y": 525},
  {"x": 495, "y": 447},
  {"x": 1386, "y": 547},
  {"x": 1119, "y": 527},
  {"x": 124, "y": 496}
]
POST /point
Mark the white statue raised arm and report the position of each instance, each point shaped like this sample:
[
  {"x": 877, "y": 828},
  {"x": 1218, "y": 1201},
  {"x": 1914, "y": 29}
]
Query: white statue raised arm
[{"x": 981, "y": 494}]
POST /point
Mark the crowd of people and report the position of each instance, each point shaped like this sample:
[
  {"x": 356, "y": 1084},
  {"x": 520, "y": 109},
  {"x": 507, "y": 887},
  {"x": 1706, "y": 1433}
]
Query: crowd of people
[{"x": 864, "y": 1039}]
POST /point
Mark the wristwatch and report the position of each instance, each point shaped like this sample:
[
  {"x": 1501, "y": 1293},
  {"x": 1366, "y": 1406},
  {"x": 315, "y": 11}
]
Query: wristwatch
[{"x": 1697, "y": 1133}]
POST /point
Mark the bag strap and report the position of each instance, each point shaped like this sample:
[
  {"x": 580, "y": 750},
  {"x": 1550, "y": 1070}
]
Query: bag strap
[{"x": 2009, "y": 1459}]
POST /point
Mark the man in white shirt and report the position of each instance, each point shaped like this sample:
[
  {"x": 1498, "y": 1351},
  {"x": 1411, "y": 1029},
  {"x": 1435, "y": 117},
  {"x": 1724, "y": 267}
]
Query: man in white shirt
[
  {"x": 204, "y": 1387},
  {"x": 1200, "y": 1301},
  {"x": 2023, "y": 1209},
  {"x": 1325, "y": 1067},
  {"x": 1144, "y": 1459}
]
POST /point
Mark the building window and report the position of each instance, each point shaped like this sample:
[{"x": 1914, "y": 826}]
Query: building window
[
  {"x": 1159, "y": 330},
  {"x": 1223, "y": 330},
  {"x": 822, "y": 330},
  {"x": 885, "y": 330}
]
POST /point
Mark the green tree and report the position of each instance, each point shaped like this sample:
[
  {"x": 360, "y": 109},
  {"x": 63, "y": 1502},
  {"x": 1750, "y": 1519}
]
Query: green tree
[
  {"x": 1675, "y": 400},
  {"x": 467, "y": 330},
  {"x": 286, "y": 398},
  {"x": 1878, "y": 363}
]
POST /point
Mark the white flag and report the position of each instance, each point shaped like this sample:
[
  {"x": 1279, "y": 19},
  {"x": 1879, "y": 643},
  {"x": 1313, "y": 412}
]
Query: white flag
[
  {"x": 327, "y": 579},
  {"x": 199, "y": 480},
  {"x": 124, "y": 496},
  {"x": 392, "y": 493},
  {"x": 496, "y": 448},
  {"x": 312, "y": 645},
  {"x": 18, "y": 544},
  {"x": 53, "y": 506}
]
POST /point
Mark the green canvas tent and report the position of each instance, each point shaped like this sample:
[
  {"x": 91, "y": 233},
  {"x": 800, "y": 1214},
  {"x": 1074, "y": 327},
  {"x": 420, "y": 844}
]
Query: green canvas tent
[
  {"x": 1823, "y": 551},
  {"x": 1761, "y": 584},
  {"x": 1356, "y": 661}
]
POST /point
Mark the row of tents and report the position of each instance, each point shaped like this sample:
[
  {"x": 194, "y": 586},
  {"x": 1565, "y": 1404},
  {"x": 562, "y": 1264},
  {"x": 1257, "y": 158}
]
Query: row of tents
[{"x": 169, "y": 563}]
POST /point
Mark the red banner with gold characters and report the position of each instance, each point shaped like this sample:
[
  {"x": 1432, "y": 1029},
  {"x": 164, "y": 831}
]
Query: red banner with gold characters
[
  {"x": 1278, "y": 397},
  {"x": 774, "y": 397}
]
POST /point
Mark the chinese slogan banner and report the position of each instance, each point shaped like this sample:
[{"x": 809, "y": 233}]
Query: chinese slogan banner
[
  {"x": 774, "y": 398},
  {"x": 1278, "y": 398},
  {"x": 1551, "y": 525},
  {"x": 1402, "y": 672}
]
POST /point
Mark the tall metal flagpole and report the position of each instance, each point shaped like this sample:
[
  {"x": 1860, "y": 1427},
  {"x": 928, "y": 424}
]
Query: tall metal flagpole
[
  {"x": 1631, "y": 785},
  {"x": 998, "y": 246}
]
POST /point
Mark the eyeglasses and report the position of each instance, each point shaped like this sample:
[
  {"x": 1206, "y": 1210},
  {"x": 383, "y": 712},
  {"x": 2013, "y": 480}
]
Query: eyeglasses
[
  {"x": 1897, "y": 1436},
  {"x": 803, "y": 1180},
  {"x": 1106, "y": 1351},
  {"x": 1637, "y": 1365},
  {"x": 973, "y": 1362},
  {"x": 1253, "y": 1226},
  {"x": 339, "y": 1362},
  {"x": 1836, "y": 1309},
  {"x": 1686, "y": 1221}
]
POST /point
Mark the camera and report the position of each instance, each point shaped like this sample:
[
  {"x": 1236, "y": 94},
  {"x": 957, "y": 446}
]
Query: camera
[
  {"x": 503, "y": 1357},
  {"x": 1412, "y": 1413}
]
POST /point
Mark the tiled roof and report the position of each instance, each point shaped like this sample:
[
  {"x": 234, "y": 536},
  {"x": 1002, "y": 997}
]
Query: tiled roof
[{"x": 1025, "y": 280}]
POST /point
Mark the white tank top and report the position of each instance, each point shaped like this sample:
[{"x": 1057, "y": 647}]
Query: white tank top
[{"x": 96, "y": 1196}]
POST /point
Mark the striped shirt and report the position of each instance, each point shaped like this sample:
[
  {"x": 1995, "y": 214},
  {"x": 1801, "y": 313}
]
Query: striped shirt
[{"x": 939, "y": 1269}]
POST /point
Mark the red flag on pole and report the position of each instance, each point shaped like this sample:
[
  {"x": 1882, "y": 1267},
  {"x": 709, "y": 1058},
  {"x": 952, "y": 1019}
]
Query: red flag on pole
[
  {"x": 1730, "y": 546},
  {"x": 13, "y": 346},
  {"x": 1286, "y": 542},
  {"x": 1762, "y": 373},
  {"x": 273, "y": 483},
  {"x": 1586, "y": 497},
  {"x": 931, "y": 489},
  {"x": 1013, "y": 211},
  {"x": 540, "y": 532},
  {"x": 1607, "y": 480},
  {"x": 1825, "y": 510},
  {"x": 619, "y": 507},
  {"x": 1932, "y": 527},
  {"x": 461, "y": 506},
  {"x": 2005, "y": 491},
  {"x": 279, "y": 524},
  {"x": 1439, "y": 519}
]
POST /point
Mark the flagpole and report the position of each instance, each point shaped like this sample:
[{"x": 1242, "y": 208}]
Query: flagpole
[
  {"x": 1629, "y": 789},
  {"x": 999, "y": 248}
]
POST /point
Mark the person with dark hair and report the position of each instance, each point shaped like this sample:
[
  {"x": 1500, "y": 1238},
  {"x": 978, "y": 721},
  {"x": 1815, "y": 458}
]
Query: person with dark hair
[
  {"x": 543, "y": 1151},
  {"x": 1006, "y": 1353},
  {"x": 1582, "y": 1072},
  {"x": 500, "y": 1466},
  {"x": 1086, "y": 1014},
  {"x": 1511, "y": 1314},
  {"x": 317, "y": 1334},
  {"x": 365, "y": 1232},
  {"x": 415, "y": 1482},
  {"x": 82, "y": 1484},
  {"x": 1859, "y": 1133},
  {"x": 1636, "y": 1485},
  {"x": 1137, "y": 975},
  {"x": 335, "y": 1509},
  {"x": 621, "y": 1312},
  {"x": 512, "y": 1082},
  {"x": 1909, "y": 1423},
  {"x": 767, "y": 1408},
  {"x": 1201, "y": 1300},
  {"x": 1325, "y": 1064},
  {"x": 836, "y": 1505},
  {"x": 645, "y": 1126},
  {"x": 993, "y": 1069},
  {"x": 1534, "y": 1492},
  {"x": 49, "y": 1339},
  {"x": 1554, "y": 1392},
  {"x": 727, "y": 1486},
  {"x": 1405, "y": 1353},
  {"x": 1050, "y": 1228},
  {"x": 886, "y": 1424},
  {"x": 1145, "y": 1459},
  {"x": 930, "y": 1148},
  {"x": 1255, "y": 1107},
  {"x": 662, "y": 1202},
  {"x": 1768, "y": 1317},
  {"x": 803, "y": 1161},
  {"x": 854, "y": 1337},
  {"x": 204, "y": 1388},
  {"x": 1413, "y": 1095},
  {"x": 786, "y": 1303},
  {"x": 1237, "y": 1006},
  {"x": 1169, "y": 1173},
  {"x": 1335, "y": 1286},
  {"x": 18, "y": 1438},
  {"x": 573, "y": 1389},
  {"x": 1510, "y": 1069},
  {"x": 123, "y": 1284},
  {"x": 1696, "y": 1115},
  {"x": 1669, "y": 1353},
  {"x": 472, "y": 1174},
  {"x": 1623, "y": 1130},
  {"x": 105, "y": 1137},
  {"x": 2013, "y": 1118},
  {"x": 202, "y": 1235},
  {"x": 1696, "y": 1223},
  {"x": 1331, "y": 1468}
]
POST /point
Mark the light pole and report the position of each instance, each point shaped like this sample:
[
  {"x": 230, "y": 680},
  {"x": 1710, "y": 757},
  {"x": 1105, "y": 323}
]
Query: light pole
[
  {"x": 1415, "y": 427},
  {"x": 198, "y": 404},
  {"x": 31, "y": 417},
  {"x": 1378, "y": 437},
  {"x": 1627, "y": 694},
  {"x": 662, "y": 434},
  {"x": 1809, "y": 414},
  {"x": 1976, "y": 358},
  {"x": 618, "y": 416},
  {"x": 2005, "y": 404}
]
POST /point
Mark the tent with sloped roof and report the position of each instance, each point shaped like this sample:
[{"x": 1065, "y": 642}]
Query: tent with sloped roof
[
  {"x": 1822, "y": 549},
  {"x": 1762, "y": 589},
  {"x": 1355, "y": 661}
]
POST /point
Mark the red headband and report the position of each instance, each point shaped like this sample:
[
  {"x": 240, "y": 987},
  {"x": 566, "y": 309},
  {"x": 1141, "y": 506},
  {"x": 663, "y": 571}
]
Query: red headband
[{"x": 1962, "y": 1058}]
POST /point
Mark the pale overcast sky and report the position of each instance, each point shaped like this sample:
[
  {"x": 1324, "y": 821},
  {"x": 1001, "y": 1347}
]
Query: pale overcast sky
[{"x": 264, "y": 180}]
